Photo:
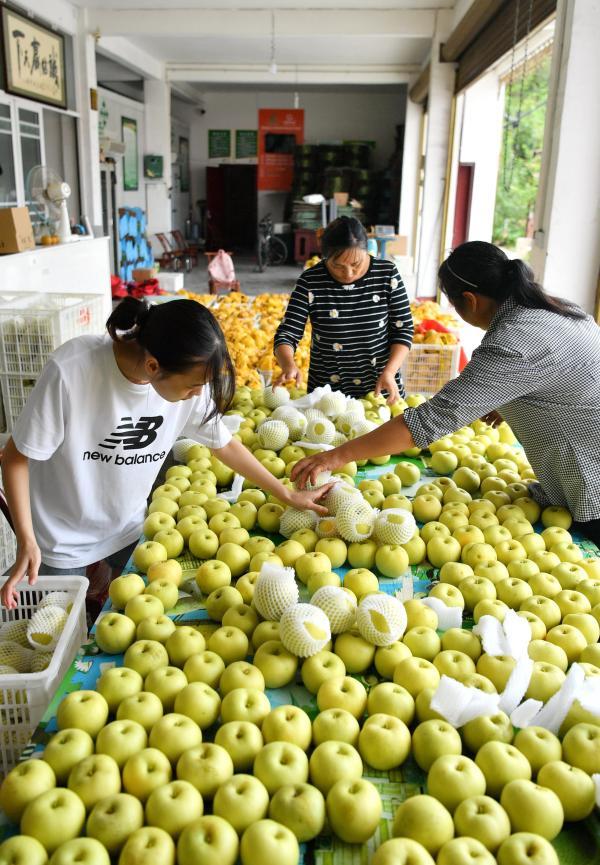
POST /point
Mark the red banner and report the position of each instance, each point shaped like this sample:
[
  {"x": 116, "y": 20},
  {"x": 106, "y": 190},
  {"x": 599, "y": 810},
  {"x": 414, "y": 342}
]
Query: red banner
[{"x": 279, "y": 130}]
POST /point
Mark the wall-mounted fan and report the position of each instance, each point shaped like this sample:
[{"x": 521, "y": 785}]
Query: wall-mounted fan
[{"x": 47, "y": 195}]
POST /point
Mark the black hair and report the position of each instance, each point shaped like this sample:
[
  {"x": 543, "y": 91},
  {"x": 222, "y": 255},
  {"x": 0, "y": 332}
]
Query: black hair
[
  {"x": 344, "y": 233},
  {"x": 179, "y": 334},
  {"x": 485, "y": 269}
]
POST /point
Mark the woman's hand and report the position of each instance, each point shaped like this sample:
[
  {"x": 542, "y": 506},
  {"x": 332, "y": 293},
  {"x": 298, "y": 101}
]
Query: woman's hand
[
  {"x": 289, "y": 374},
  {"x": 308, "y": 470},
  {"x": 387, "y": 381},
  {"x": 306, "y": 500},
  {"x": 28, "y": 562}
]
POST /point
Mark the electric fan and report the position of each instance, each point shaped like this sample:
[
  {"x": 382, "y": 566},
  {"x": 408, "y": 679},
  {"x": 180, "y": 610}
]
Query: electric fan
[{"x": 47, "y": 195}]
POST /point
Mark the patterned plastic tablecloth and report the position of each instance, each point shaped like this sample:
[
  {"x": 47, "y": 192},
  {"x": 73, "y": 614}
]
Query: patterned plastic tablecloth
[{"x": 577, "y": 844}]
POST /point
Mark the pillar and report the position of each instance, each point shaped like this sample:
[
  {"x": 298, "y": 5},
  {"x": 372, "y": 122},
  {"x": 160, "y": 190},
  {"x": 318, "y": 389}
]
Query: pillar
[
  {"x": 439, "y": 107},
  {"x": 411, "y": 160},
  {"x": 157, "y": 140},
  {"x": 566, "y": 249},
  {"x": 89, "y": 145}
]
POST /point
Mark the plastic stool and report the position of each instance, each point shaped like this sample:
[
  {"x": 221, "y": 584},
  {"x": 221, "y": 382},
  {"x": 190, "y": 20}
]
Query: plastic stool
[
  {"x": 215, "y": 286},
  {"x": 305, "y": 244}
]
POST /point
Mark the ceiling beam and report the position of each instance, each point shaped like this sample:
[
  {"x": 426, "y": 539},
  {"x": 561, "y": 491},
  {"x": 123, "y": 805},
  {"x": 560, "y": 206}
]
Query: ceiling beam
[
  {"x": 290, "y": 75},
  {"x": 243, "y": 23},
  {"x": 127, "y": 54}
]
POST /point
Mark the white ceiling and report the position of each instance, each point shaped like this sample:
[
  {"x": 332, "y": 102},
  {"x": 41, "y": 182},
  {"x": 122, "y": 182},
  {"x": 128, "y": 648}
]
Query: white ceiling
[
  {"x": 231, "y": 41},
  {"x": 164, "y": 5},
  {"x": 320, "y": 49}
]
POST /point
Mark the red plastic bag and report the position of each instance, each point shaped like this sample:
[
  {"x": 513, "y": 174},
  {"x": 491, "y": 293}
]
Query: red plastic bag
[{"x": 221, "y": 268}]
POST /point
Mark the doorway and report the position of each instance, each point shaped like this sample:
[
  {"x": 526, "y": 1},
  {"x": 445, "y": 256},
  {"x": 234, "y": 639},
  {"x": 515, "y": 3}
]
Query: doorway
[{"x": 231, "y": 207}]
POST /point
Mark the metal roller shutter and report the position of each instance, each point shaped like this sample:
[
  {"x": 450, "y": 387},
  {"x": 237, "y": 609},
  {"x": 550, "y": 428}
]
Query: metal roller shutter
[{"x": 488, "y": 32}]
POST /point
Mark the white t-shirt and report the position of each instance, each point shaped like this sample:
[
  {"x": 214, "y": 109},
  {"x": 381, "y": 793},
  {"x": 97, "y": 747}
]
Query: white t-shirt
[{"x": 95, "y": 442}]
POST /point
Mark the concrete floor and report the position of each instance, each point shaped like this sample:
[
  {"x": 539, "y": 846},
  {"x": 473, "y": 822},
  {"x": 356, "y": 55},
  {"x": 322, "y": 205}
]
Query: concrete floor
[
  {"x": 282, "y": 279},
  {"x": 274, "y": 279}
]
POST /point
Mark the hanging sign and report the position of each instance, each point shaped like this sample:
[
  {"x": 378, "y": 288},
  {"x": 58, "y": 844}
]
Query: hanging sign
[{"x": 279, "y": 131}]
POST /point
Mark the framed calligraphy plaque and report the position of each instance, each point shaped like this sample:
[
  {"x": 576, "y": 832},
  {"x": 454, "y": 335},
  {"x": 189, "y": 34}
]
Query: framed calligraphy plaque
[{"x": 34, "y": 59}]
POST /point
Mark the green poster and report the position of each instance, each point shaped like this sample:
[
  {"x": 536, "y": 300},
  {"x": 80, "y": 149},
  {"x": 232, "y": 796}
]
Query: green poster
[
  {"x": 219, "y": 143},
  {"x": 130, "y": 157},
  {"x": 246, "y": 143}
]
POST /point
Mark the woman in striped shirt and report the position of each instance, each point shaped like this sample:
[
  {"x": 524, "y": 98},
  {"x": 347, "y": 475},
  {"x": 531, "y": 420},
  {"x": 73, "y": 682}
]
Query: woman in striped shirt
[
  {"x": 538, "y": 365},
  {"x": 362, "y": 327}
]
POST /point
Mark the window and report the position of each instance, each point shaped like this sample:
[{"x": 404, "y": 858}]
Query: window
[
  {"x": 8, "y": 184},
  {"x": 21, "y": 147},
  {"x": 30, "y": 140}
]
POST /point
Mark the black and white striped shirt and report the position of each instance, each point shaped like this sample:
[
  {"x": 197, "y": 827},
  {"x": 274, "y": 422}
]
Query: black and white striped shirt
[
  {"x": 541, "y": 371},
  {"x": 353, "y": 326}
]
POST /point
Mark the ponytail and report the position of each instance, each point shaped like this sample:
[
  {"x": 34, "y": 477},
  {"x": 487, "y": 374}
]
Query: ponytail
[
  {"x": 179, "y": 334},
  {"x": 525, "y": 291},
  {"x": 127, "y": 319},
  {"x": 485, "y": 269}
]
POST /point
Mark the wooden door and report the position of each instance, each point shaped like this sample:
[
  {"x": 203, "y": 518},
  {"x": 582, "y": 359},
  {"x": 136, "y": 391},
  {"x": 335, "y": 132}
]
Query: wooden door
[
  {"x": 240, "y": 207},
  {"x": 462, "y": 210}
]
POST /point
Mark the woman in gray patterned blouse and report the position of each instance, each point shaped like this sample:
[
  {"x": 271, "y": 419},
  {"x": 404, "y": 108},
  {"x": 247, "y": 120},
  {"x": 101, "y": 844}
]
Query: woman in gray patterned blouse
[{"x": 538, "y": 366}]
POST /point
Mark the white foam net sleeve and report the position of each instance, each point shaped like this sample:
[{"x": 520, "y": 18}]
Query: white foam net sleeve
[
  {"x": 304, "y": 630},
  {"x": 275, "y": 591},
  {"x": 45, "y": 627},
  {"x": 381, "y": 619},
  {"x": 338, "y": 605}
]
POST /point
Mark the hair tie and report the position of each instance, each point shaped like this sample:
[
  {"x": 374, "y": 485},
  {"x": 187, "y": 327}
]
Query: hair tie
[
  {"x": 462, "y": 279},
  {"x": 144, "y": 311}
]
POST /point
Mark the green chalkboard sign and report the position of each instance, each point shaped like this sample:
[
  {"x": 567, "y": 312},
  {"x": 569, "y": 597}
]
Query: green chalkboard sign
[
  {"x": 219, "y": 143},
  {"x": 246, "y": 143}
]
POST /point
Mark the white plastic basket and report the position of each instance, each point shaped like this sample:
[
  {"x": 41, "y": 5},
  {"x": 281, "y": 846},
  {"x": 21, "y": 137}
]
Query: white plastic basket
[
  {"x": 15, "y": 393},
  {"x": 8, "y": 545},
  {"x": 33, "y": 325},
  {"x": 25, "y": 697},
  {"x": 427, "y": 368}
]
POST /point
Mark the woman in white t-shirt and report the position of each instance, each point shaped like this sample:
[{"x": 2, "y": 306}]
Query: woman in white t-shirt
[{"x": 102, "y": 417}]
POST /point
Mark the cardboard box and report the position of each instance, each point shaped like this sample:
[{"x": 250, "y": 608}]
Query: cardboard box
[
  {"x": 396, "y": 246},
  {"x": 16, "y": 232},
  {"x": 341, "y": 198},
  {"x": 141, "y": 274}
]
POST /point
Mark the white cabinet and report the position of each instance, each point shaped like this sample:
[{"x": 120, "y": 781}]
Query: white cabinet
[{"x": 80, "y": 267}]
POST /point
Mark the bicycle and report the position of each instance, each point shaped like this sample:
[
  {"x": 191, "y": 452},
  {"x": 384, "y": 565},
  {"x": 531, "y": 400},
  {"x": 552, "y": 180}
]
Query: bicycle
[{"x": 271, "y": 250}]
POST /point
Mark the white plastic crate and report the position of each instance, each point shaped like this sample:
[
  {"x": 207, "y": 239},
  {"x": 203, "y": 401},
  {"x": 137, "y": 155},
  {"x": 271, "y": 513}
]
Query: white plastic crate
[
  {"x": 25, "y": 697},
  {"x": 32, "y": 326},
  {"x": 427, "y": 368},
  {"x": 15, "y": 392},
  {"x": 8, "y": 545}
]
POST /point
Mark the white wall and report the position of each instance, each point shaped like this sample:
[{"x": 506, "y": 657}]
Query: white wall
[
  {"x": 329, "y": 117},
  {"x": 59, "y": 12},
  {"x": 118, "y": 107},
  {"x": 480, "y": 144},
  {"x": 566, "y": 251}
]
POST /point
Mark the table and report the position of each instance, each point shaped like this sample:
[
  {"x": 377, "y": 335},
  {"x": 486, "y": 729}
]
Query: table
[{"x": 577, "y": 844}]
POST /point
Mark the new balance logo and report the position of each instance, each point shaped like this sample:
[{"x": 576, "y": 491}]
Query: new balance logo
[{"x": 133, "y": 436}]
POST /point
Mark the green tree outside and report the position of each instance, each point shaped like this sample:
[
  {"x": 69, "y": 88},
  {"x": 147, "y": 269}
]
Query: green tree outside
[{"x": 521, "y": 153}]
